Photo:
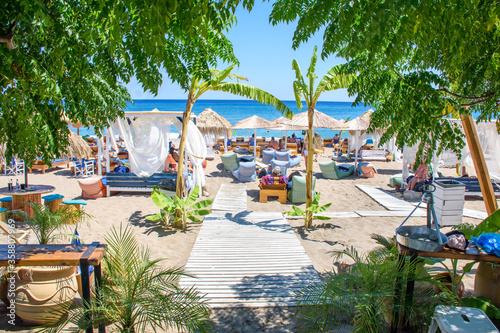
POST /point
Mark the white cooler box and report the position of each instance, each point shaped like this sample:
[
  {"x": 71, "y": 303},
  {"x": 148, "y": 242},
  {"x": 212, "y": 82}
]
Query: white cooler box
[{"x": 449, "y": 199}]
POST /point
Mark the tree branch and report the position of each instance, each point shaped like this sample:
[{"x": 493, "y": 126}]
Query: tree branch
[
  {"x": 7, "y": 38},
  {"x": 468, "y": 98}
]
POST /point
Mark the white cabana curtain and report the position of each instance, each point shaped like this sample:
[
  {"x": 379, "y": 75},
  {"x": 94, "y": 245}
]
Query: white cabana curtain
[
  {"x": 490, "y": 144},
  {"x": 146, "y": 140},
  {"x": 196, "y": 150}
]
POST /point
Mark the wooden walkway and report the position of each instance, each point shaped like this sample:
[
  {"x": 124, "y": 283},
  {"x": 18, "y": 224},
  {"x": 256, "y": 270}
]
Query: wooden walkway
[
  {"x": 230, "y": 198},
  {"x": 248, "y": 259}
]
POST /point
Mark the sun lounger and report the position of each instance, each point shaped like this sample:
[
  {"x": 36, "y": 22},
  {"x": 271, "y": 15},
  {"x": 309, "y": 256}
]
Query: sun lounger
[
  {"x": 331, "y": 170},
  {"x": 297, "y": 193},
  {"x": 230, "y": 161},
  {"x": 39, "y": 165},
  {"x": 129, "y": 182},
  {"x": 372, "y": 154},
  {"x": 245, "y": 172}
]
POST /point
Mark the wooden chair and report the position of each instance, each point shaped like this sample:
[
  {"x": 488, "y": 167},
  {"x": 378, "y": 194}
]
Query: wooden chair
[{"x": 17, "y": 235}]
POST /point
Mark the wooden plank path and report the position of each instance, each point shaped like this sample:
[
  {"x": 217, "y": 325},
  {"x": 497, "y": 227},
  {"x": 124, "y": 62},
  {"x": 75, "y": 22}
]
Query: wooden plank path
[
  {"x": 248, "y": 259},
  {"x": 385, "y": 199},
  {"x": 230, "y": 198}
]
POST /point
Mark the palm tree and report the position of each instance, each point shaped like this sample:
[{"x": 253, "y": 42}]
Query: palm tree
[
  {"x": 216, "y": 83},
  {"x": 332, "y": 80}
]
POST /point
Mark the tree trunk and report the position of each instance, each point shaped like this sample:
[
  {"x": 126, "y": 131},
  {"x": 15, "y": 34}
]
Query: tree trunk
[
  {"x": 309, "y": 176},
  {"x": 180, "y": 191}
]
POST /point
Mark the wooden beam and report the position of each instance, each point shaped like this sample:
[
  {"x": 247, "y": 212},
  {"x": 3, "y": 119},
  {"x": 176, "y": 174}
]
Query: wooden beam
[{"x": 480, "y": 164}]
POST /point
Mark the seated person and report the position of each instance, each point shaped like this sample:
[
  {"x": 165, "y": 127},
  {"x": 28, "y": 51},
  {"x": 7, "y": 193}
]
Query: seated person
[
  {"x": 336, "y": 139},
  {"x": 275, "y": 177},
  {"x": 421, "y": 174},
  {"x": 280, "y": 144},
  {"x": 274, "y": 144},
  {"x": 172, "y": 160},
  {"x": 292, "y": 139}
]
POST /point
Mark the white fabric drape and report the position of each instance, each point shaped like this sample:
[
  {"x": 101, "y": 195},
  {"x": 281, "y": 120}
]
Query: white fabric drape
[
  {"x": 490, "y": 145},
  {"x": 196, "y": 150},
  {"x": 146, "y": 140}
]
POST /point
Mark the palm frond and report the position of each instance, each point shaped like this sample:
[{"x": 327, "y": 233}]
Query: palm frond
[{"x": 259, "y": 95}]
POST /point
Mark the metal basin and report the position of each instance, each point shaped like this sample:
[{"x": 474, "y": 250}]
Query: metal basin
[{"x": 420, "y": 238}]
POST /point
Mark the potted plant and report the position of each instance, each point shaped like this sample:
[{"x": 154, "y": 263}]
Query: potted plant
[
  {"x": 41, "y": 292},
  {"x": 139, "y": 294},
  {"x": 189, "y": 208}
]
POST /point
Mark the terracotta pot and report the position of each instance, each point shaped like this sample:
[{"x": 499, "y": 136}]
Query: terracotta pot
[
  {"x": 487, "y": 282},
  {"x": 43, "y": 294},
  {"x": 3, "y": 292},
  {"x": 446, "y": 278}
]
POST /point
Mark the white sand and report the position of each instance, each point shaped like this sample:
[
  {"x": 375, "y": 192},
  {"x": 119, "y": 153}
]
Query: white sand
[{"x": 175, "y": 245}]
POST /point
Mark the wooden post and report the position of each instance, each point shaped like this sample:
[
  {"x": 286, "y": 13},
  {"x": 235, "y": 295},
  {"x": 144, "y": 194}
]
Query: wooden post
[{"x": 480, "y": 164}]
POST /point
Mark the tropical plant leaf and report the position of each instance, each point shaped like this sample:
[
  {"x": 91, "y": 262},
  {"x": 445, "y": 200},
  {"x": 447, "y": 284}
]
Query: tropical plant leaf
[
  {"x": 319, "y": 217},
  {"x": 490, "y": 224},
  {"x": 155, "y": 218}
]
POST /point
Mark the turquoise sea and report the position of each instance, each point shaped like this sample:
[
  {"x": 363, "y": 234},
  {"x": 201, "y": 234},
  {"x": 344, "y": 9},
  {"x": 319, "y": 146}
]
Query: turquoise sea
[{"x": 236, "y": 110}]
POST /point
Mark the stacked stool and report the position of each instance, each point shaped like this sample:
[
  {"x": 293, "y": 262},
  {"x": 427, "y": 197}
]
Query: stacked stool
[
  {"x": 460, "y": 320},
  {"x": 76, "y": 204},
  {"x": 53, "y": 201},
  {"x": 6, "y": 203}
]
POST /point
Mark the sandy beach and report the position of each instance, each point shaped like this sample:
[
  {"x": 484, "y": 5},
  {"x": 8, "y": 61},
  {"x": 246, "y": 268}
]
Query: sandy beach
[{"x": 175, "y": 245}]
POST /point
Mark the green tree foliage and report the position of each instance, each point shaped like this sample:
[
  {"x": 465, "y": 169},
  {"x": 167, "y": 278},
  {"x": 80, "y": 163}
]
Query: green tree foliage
[
  {"x": 417, "y": 62},
  {"x": 303, "y": 88},
  {"x": 73, "y": 57}
]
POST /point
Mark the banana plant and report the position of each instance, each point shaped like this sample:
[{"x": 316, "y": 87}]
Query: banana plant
[
  {"x": 303, "y": 88},
  {"x": 312, "y": 210},
  {"x": 189, "y": 208}
]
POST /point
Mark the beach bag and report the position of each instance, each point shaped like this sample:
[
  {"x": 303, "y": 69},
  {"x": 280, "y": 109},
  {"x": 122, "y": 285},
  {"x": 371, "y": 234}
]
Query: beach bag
[
  {"x": 420, "y": 186},
  {"x": 120, "y": 169},
  {"x": 490, "y": 242}
]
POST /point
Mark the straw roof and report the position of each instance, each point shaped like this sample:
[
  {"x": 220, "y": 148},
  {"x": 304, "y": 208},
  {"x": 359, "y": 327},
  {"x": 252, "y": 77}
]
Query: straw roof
[
  {"x": 300, "y": 121},
  {"x": 360, "y": 123},
  {"x": 253, "y": 122},
  {"x": 77, "y": 147},
  {"x": 210, "y": 121},
  {"x": 279, "y": 124}
]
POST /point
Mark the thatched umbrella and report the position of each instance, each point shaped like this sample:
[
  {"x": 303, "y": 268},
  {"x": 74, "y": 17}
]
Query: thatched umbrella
[
  {"x": 77, "y": 147},
  {"x": 210, "y": 122},
  {"x": 300, "y": 121},
  {"x": 280, "y": 125},
  {"x": 253, "y": 122}
]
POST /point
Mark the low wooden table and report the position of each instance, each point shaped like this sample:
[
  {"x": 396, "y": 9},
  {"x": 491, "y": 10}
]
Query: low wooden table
[
  {"x": 272, "y": 191},
  {"x": 22, "y": 198},
  {"x": 82, "y": 255}
]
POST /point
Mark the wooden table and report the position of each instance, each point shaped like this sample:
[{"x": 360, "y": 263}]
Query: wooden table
[
  {"x": 22, "y": 198},
  {"x": 59, "y": 255},
  {"x": 410, "y": 283},
  {"x": 278, "y": 190}
]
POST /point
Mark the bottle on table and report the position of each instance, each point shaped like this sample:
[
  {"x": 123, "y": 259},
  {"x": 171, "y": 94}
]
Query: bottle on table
[
  {"x": 17, "y": 184},
  {"x": 9, "y": 184}
]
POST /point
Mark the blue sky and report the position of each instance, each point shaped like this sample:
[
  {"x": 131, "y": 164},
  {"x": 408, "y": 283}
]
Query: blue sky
[{"x": 265, "y": 54}]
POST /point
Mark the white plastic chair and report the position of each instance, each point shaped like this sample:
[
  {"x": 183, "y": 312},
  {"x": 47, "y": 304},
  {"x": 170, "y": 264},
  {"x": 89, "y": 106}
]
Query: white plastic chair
[
  {"x": 15, "y": 168},
  {"x": 84, "y": 167}
]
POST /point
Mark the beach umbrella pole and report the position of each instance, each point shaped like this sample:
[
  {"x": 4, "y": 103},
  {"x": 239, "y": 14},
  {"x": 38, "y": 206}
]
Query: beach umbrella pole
[{"x": 254, "y": 143}]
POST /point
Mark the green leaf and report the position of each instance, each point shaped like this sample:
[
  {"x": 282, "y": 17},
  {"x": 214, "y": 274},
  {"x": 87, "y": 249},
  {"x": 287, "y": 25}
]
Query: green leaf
[
  {"x": 490, "y": 224},
  {"x": 201, "y": 212},
  {"x": 155, "y": 218},
  {"x": 322, "y": 217}
]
